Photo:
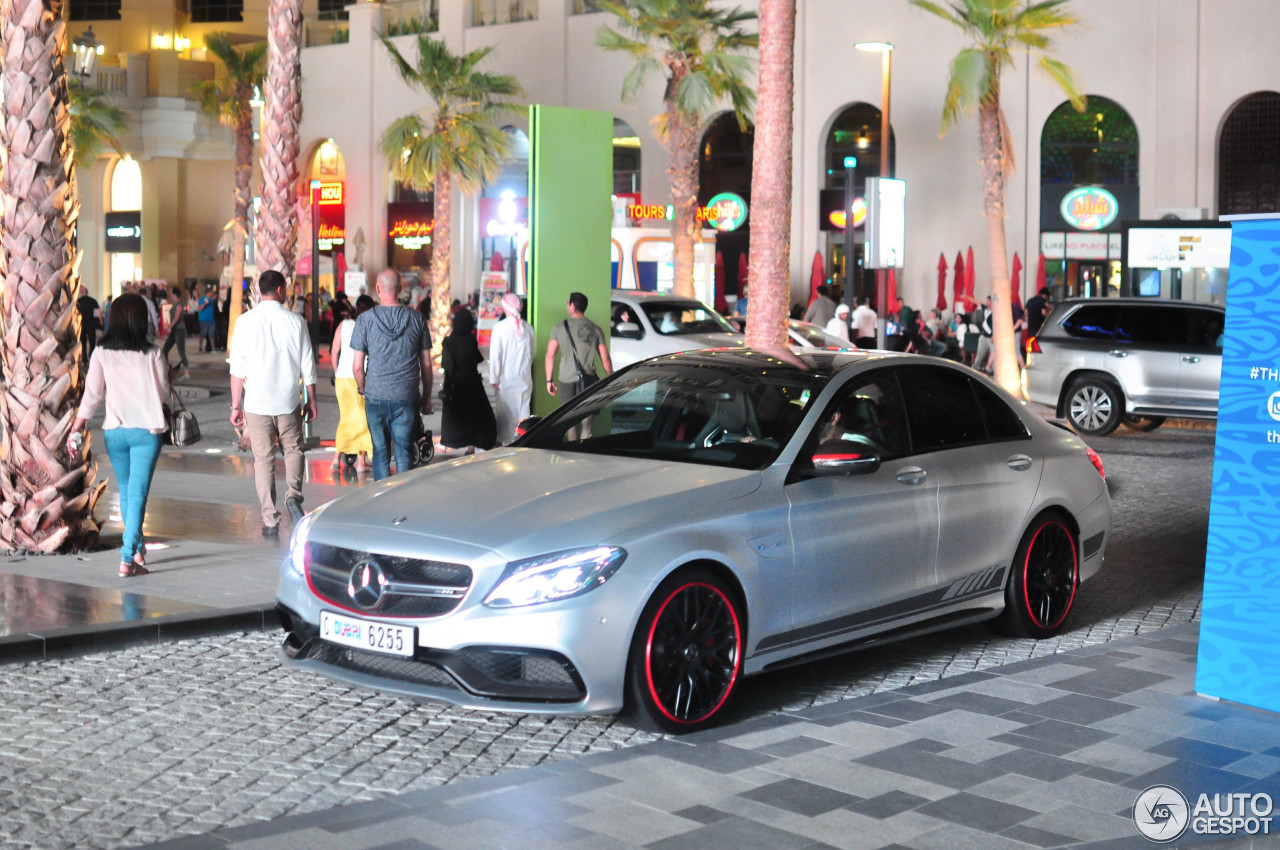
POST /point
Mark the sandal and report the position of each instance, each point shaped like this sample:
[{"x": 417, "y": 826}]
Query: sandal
[{"x": 129, "y": 569}]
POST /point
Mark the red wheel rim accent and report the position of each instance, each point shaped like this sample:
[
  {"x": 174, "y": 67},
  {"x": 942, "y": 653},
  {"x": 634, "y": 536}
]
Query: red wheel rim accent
[
  {"x": 1051, "y": 566},
  {"x": 699, "y": 627}
]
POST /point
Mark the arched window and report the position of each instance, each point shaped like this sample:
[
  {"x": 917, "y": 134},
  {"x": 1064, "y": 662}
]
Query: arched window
[
  {"x": 1096, "y": 147},
  {"x": 1249, "y": 157},
  {"x": 724, "y": 162},
  {"x": 856, "y": 133}
]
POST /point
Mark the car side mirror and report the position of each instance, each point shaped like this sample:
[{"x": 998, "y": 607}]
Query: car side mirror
[
  {"x": 841, "y": 457},
  {"x": 527, "y": 423},
  {"x": 628, "y": 330}
]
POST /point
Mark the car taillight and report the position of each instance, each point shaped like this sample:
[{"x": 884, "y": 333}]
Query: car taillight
[
  {"x": 1096, "y": 461},
  {"x": 1033, "y": 345}
]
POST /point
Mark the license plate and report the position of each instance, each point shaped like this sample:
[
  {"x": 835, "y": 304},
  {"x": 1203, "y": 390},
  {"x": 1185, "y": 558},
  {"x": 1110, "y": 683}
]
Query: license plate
[{"x": 365, "y": 634}]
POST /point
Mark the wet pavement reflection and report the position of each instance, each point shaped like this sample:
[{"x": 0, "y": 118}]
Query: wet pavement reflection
[{"x": 33, "y": 605}]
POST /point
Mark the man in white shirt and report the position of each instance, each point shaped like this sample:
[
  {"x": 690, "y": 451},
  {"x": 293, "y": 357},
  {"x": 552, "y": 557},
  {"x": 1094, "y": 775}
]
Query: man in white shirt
[
  {"x": 270, "y": 357},
  {"x": 864, "y": 324}
]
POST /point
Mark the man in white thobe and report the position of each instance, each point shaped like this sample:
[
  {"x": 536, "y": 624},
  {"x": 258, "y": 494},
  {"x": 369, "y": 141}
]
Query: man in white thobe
[{"x": 511, "y": 368}]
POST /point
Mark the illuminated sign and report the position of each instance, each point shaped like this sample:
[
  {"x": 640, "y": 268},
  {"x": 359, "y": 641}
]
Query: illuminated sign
[
  {"x": 411, "y": 234},
  {"x": 886, "y": 223},
  {"x": 726, "y": 211},
  {"x": 124, "y": 232},
  {"x": 409, "y": 228},
  {"x": 1089, "y": 208},
  {"x": 651, "y": 212},
  {"x": 838, "y": 217},
  {"x": 330, "y": 194},
  {"x": 330, "y": 235}
]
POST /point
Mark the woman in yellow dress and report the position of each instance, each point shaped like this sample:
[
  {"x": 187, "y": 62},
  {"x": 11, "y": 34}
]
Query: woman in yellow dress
[{"x": 352, "y": 437}]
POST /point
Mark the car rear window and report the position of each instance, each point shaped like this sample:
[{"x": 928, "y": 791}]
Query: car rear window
[{"x": 1092, "y": 321}]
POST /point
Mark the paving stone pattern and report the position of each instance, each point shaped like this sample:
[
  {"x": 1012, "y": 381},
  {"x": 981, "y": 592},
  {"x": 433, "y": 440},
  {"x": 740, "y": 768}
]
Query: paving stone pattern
[{"x": 153, "y": 743}]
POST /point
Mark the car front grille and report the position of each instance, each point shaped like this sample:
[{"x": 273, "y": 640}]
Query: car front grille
[{"x": 415, "y": 588}]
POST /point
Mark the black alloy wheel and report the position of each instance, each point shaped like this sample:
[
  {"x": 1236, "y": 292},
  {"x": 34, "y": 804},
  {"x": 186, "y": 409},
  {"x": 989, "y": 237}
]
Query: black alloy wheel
[
  {"x": 1141, "y": 423},
  {"x": 1094, "y": 407},
  {"x": 686, "y": 656},
  {"x": 1046, "y": 575}
]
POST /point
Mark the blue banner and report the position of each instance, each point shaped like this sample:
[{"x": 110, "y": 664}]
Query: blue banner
[{"x": 1239, "y": 657}]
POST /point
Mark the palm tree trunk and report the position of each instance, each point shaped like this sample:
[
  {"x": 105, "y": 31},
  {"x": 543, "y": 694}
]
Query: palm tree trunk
[
  {"x": 993, "y": 171},
  {"x": 46, "y": 497},
  {"x": 682, "y": 173},
  {"x": 441, "y": 288},
  {"x": 282, "y": 110},
  {"x": 244, "y": 171},
  {"x": 770, "y": 275}
]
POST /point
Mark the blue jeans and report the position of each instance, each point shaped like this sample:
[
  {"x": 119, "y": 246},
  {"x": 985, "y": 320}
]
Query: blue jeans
[
  {"x": 390, "y": 422},
  {"x": 206, "y": 332},
  {"x": 133, "y": 453}
]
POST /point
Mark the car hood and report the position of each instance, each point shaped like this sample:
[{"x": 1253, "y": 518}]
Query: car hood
[{"x": 497, "y": 499}]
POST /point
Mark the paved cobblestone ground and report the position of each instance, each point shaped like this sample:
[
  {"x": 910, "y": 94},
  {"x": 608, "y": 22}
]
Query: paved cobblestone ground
[{"x": 147, "y": 744}]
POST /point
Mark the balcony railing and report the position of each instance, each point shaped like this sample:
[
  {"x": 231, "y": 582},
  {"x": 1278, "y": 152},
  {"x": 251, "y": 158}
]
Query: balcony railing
[
  {"x": 408, "y": 17},
  {"x": 325, "y": 28},
  {"x": 490, "y": 12},
  {"x": 585, "y": 7},
  {"x": 110, "y": 80}
]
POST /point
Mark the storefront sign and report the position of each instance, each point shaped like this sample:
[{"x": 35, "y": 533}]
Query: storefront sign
[
  {"x": 1179, "y": 247},
  {"x": 651, "y": 212},
  {"x": 1087, "y": 246},
  {"x": 330, "y": 194},
  {"x": 1089, "y": 208},
  {"x": 726, "y": 212},
  {"x": 1238, "y": 660},
  {"x": 333, "y": 217},
  {"x": 831, "y": 211},
  {"x": 330, "y": 235},
  {"x": 409, "y": 233},
  {"x": 838, "y": 217},
  {"x": 124, "y": 232},
  {"x": 1053, "y": 245}
]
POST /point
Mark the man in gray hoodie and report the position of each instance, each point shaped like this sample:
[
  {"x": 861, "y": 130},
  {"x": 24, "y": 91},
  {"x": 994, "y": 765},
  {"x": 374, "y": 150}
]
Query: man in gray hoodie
[{"x": 393, "y": 372}]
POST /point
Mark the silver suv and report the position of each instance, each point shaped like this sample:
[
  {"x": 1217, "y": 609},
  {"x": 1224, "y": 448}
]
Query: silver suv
[{"x": 1102, "y": 362}]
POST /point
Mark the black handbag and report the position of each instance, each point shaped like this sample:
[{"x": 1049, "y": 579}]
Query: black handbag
[
  {"x": 585, "y": 380},
  {"x": 183, "y": 427}
]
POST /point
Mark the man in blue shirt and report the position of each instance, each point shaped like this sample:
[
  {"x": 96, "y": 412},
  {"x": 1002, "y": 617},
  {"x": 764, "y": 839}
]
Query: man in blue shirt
[{"x": 206, "y": 309}]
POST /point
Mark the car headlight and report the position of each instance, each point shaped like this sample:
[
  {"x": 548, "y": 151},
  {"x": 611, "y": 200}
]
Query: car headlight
[
  {"x": 296, "y": 562},
  {"x": 558, "y": 575}
]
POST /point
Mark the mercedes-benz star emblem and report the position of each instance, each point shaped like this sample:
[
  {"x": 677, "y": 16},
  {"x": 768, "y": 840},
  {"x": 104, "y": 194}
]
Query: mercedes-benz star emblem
[{"x": 367, "y": 584}]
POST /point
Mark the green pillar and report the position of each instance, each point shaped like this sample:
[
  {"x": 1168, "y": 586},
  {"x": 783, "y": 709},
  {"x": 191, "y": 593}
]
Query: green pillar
[{"x": 570, "y": 214}]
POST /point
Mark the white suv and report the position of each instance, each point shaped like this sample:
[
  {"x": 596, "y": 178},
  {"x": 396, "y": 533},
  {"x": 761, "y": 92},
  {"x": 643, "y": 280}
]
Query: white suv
[
  {"x": 1104, "y": 361},
  {"x": 646, "y": 324}
]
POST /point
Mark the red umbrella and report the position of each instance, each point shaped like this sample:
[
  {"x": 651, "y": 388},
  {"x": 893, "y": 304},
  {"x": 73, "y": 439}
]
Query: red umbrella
[
  {"x": 719, "y": 283},
  {"x": 968, "y": 278},
  {"x": 942, "y": 282},
  {"x": 1040, "y": 280},
  {"x": 891, "y": 288},
  {"x": 957, "y": 288},
  {"x": 817, "y": 276},
  {"x": 1014, "y": 283},
  {"x": 742, "y": 273}
]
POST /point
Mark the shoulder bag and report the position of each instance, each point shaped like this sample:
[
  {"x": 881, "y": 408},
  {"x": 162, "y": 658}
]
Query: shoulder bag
[{"x": 183, "y": 427}]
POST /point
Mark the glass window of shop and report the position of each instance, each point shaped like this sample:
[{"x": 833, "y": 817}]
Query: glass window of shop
[
  {"x": 1088, "y": 185},
  {"x": 724, "y": 165},
  {"x": 1249, "y": 157},
  {"x": 855, "y": 132},
  {"x": 504, "y": 211},
  {"x": 626, "y": 159}
]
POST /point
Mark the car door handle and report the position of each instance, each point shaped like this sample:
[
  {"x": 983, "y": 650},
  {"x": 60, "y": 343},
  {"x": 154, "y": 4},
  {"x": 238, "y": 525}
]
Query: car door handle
[
  {"x": 912, "y": 475},
  {"x": 1190, "y": 358},
  {"x": 1116, "y": 352},
  {"x": 1020, "y": 462}
]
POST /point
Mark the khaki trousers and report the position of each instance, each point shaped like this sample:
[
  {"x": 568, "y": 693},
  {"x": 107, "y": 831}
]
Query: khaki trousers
[{"x": 263, "y": 431}]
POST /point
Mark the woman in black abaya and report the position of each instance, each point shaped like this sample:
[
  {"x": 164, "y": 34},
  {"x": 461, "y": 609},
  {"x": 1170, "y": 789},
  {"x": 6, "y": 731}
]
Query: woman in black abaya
[{"x": 468, "y": 421}]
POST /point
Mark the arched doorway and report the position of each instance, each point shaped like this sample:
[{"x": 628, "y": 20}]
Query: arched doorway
[
  {"x": 1088, "y": 185},
  {"x": 854, "y": 132},
  {"x": 1249, "y": 156},
  {"x": 724, "y": 165},
  {"x": 125, "y": 198}
]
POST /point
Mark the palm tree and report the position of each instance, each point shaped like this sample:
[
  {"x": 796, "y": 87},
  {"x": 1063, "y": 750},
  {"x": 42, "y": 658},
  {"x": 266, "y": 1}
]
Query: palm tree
[
  {"x": 703, "y": 53},
  {"x": 95, "y": 123},
  {"x": 277, "y": 230},
  {"x": 994, "y": 28},
  {"x": 771, "y": 178},
  {"x": 47, "y": 496},
  {"x": 457, "y": 140},
  {"x": 229, "y": 99}
]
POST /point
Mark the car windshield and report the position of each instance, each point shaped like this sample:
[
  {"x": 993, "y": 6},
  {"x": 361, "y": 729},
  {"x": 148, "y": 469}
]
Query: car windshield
[
  {"x": 693, "y": 411},
  {"x": 676, "y": 318}
]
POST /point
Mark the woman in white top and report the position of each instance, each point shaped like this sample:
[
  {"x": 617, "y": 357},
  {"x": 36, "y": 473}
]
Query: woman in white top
[
  {"x": 352, "y": 437},
  {"x": 131, "y": 376},
  {"x": 511, "y": 368}
]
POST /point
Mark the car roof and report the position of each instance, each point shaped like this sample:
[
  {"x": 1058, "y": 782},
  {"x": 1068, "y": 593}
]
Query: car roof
[
  {"x": 1132, "y": 300},
  {"x": 646, "y": 295},
  {"x": 818, "y": 360}
]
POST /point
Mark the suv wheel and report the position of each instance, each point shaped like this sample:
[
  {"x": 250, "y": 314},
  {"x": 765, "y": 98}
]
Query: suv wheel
[{"x": 1094, "y": 407}]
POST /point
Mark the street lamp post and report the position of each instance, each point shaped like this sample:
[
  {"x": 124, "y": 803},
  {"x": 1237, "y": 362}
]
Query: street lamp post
[
  {"x": 885, "y": 49},
  {"x": 85, "y": 51},
  {"x": 315, "y": 262}
]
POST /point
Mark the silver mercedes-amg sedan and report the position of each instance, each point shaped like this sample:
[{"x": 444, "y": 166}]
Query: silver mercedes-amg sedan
[{"x": 692, "y": 520}]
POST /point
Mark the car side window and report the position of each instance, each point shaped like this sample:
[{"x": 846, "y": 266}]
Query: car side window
[
  {"x": 868, "y": 412},
  {"x": 1153, "y": 326},
  {"x": 1092, "y": 321},
  {"x": 624, "y": 314},
  {"x": 1002, "y": 422},
  {"x": 943, "y": 410},
  {"x": 1204, "y": 330}
]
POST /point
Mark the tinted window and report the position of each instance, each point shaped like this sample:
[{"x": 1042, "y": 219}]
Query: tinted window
[
  {"x": 1002, "y": 422},
  {"x": 1092, "y": 321},
  {"x": 674, "y": 318},
  {"x": 1204, "y": 329},
  {"x": 941, "y": 409},
  {"x": 869, "y": 413},
  {"x": 1153, "y": 326}
]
